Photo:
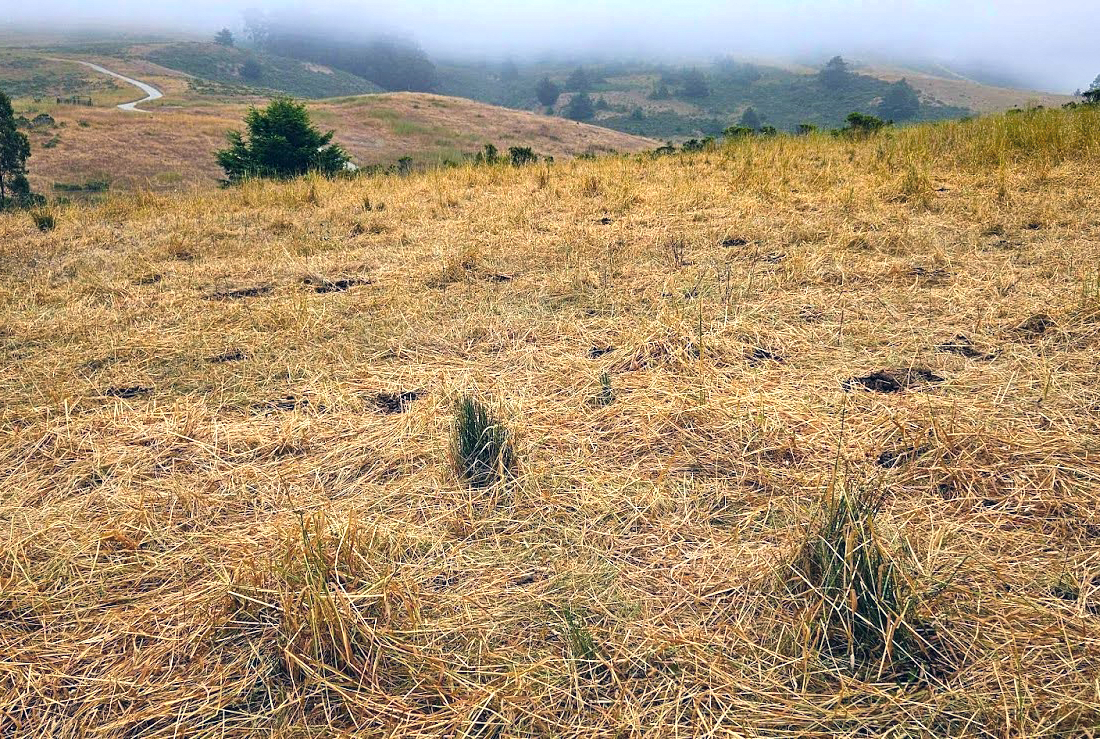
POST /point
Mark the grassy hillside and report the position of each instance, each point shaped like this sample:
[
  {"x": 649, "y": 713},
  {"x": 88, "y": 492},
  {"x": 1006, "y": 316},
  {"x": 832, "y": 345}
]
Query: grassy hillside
[
  {"x": 174, "y": 147},
  {"x": 783, "y": 97},
  {"x": 957, "y": 91},
  {"x": 230, "y": 506},
  {"x": 226, "y": 65}
]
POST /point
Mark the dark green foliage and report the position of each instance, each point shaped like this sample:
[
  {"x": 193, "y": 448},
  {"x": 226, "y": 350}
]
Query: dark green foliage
[
  {"x": 739, "y": 132},
  {"x": 251, "y": 70},
  {"x": 900, "y": 103},
  {"x": 606, "y": 395},
  {"x": 522, "y": 155},
  {"x": 224, "y": 37},
  {"x": 43, "y": 220},
  {"x": 481, "y": 445},
  {"x": 389, "y": 63},
  {"x": 750, "y": 119},
  {"x": 547, "y": 92},
  {"x": 805, "y": 129},
  {"x": 863, "y": 124},
  {"x": 282, "y": 143},
  {"x": 637, "y": 114},
  {"x": 769, "y": 131},
  {"x": 578, "y": 81},
  {"x": 580, "y": 108},
  {"x": 693, "y": 145},
  {"x": 602, "y": 104},
  {"x": 15, "y": 149},
  {"x": 861, "y": 602},
  {"x": 89, "y": 186},
  {"x": 1092, "y": 97},
  {"x": 835, "y": 74},
  {"x": 488, "y": 155},
  {"x": 694, "y": 86}
]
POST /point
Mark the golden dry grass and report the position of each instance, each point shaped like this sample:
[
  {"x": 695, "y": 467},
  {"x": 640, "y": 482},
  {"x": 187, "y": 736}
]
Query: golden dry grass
[
  {"x": 242, "y": 544},
  {"x": 173, "y": 147}
]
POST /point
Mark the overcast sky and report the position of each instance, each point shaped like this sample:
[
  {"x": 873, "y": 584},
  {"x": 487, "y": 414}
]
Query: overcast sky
[{"x": 1050, "y": 43}]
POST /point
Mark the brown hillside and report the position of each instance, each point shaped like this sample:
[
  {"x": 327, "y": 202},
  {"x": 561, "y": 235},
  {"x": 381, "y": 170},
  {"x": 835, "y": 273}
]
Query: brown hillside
[{"x": 173, "y": 147}]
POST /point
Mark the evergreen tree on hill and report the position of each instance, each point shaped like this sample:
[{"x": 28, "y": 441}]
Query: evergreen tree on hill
[
  {"x": 282, "y": 143},
  {"x": 15, "y": 149},
  {"x": 547, "y": 92},
  {"x": 835, "y": 74},
  {"x": 580, "y": 108}
]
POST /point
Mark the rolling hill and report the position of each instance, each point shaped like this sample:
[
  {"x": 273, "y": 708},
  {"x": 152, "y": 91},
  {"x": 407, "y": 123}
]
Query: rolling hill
[{"x": 174, "y": 146}]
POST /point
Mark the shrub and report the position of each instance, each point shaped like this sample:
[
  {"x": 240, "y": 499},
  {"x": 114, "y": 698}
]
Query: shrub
[
  {"x": 805, "y": 129},
  {"x": 481, "y": 445},
  {"x": 44, "y": 220},
  {"x": 695, "y": 85},
  {"x": 522, "y": 155},
  {"x": 738, "y": 132},
  {"x": 861, "y": 124},
  {"x": 488, "y": 155}
]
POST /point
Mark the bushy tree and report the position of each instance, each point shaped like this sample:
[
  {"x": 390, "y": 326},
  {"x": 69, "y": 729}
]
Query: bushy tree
[
  {"x": 547, "y": 92},
  {"x": 861, "y": 124},
  {"x": 15, "y": 148},
  {"x": 1092, "y": 95},
  {"x": 805, "y": 129},
  {"x": 224, "y": 37},
  {"x": 522, "y": 155},
  {"x": 695, "y": 85},
  {"x": 660, "y": 92},
  {"x": 750, "y": 119},
  {"x": 834, "y": 75},
  {"x": 281, "y": 143},
  {"x": 251, "y": 70},
  {"x": 900, "y": 103},
  {"x": 580, "y": 108},
  {"x": 578, "y": 81},
  {"x": 509, "y": 72}
]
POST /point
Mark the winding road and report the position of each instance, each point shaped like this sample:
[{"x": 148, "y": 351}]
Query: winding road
[{"x": 151, "y": 93}]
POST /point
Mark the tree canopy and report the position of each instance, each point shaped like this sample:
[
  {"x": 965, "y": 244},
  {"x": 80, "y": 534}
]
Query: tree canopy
[
  {"x": 15, "y": 148},
  {"x": 547, "y": 92},
  {"x": 224, "y": 37},
  {"x": 281, "y": 143},
  {"x": 695, "y": 85},
  {"x": 750, "y": 119},
  {"x": 901, "y": 102},
  {"x": 579, "y": 81},
  {"x": 580, "y": 108},
  {"x": 835, "y": 73}
]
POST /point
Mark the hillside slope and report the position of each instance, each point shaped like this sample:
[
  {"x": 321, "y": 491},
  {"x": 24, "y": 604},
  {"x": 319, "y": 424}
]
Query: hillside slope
[
  {"x": 174, "y": 147},
  {"x": 807, "y": 433},
  {"x": 964, "y": 93}
]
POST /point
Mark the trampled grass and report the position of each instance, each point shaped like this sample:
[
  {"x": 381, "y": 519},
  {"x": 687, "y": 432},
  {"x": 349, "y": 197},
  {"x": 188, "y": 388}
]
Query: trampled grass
[{"x": 230, "y": 508}]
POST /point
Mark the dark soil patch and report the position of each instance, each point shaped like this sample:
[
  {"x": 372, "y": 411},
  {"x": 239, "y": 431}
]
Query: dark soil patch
[
  {"x": 241, "y": 293},
  {"x": 962, "y": 346},
  {"x": 891, "y": 458},
  {"x": 148, "y": 279},
  {"x": 605, "y": 221},
  {"x": 734, "y": 241},
  {"x": 498, "y": 277},
  {"x": 893, "y": 380},
  {"x": 774, "y": 258},
  {"x": 184, "y": 256},
  {"x": 127, "y": 393},
  {"x": 598, "y": 351},
  {"x": 394, "y": 403},
  {"x": 759, "y": 356},
  {"x": 322, "y": 286},
  {"x": 234, "y": 355},
  {"x": 927, "y": 274},
  {"x": 1033, "y": 225},
  {"x": 1035, "y": 326}
]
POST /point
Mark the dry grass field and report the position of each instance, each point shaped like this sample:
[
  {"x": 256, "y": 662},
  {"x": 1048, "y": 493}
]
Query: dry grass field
[
  {"x": 807, "y": 432},
  {"x": 173, "y": 147}
]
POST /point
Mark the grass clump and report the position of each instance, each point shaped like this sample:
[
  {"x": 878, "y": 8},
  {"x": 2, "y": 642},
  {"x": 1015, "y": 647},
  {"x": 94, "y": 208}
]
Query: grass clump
[
  {"x": 482, "y": 445},
  {"x": 862, "y": 604},
  {"x": 44, "y": 220}
]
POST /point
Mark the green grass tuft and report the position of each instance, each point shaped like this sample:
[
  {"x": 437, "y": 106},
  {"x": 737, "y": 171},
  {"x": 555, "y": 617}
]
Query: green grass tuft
[{"x": 483, "y": 451}]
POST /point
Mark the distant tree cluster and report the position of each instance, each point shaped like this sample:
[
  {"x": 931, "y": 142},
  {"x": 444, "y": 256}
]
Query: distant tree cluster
[
  {"x": 224, "y": 37},
  {"x": 836, "y": 74},
  {"x": 580, "y": 108},
  {"x": 547, "y": 92},
  {"x": 900, "y": 103},
  {"x": 694, "y": 85}
]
